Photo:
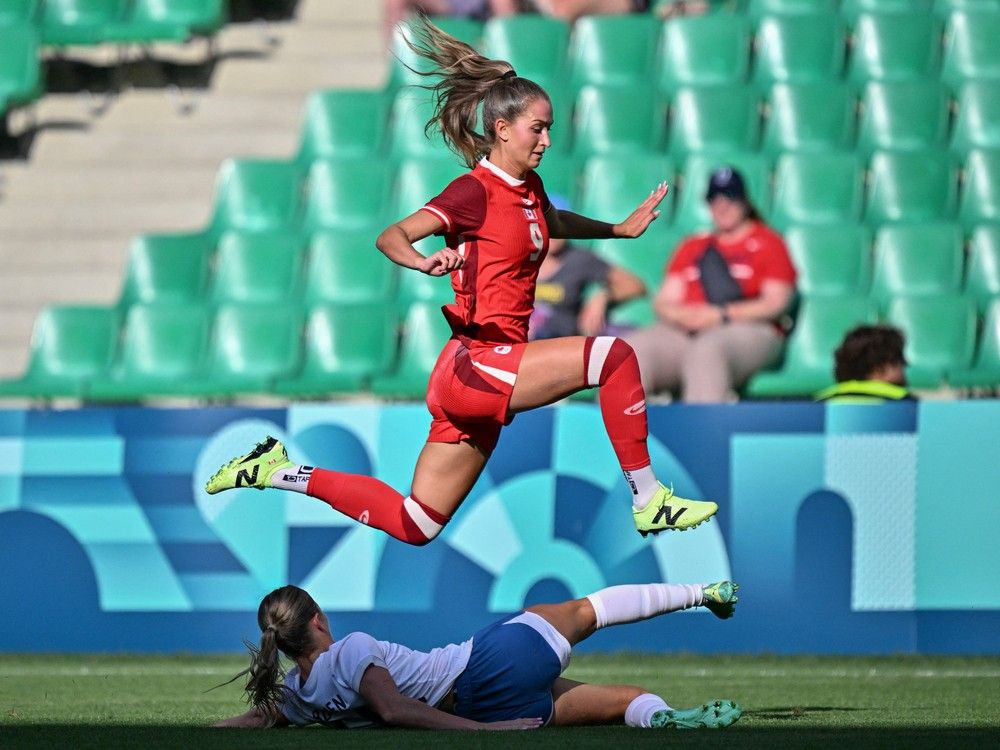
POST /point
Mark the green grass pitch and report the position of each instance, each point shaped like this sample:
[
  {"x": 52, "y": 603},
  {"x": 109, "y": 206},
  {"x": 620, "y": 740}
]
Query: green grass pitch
[{"x": 790, "y": 702}]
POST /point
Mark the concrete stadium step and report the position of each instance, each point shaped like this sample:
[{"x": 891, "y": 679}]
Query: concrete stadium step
[{"x": 102, "y": 170}]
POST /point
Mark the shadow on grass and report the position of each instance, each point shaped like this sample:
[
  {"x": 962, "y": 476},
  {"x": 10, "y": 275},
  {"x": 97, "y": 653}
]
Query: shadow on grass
[{"x": 745, "y": 736}]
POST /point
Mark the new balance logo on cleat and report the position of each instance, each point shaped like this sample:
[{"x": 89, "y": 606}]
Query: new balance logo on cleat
[
  {"x": 665, "y": 513},
  {"x": 245, "y": 478}
]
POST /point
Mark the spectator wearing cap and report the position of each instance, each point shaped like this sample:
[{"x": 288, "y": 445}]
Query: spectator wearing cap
[
  {"x": 869, "y": 367},
  {"x": 720, "y": 304},
  {"x": 576, "y": 289}
]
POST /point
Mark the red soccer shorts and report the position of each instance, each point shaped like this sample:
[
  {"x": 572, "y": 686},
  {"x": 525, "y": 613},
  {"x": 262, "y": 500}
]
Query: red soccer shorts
[{"x": 469, "y": 391}]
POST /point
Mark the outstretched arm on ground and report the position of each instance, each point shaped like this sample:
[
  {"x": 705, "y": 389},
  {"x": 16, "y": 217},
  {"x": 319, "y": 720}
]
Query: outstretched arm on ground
[
  {"x": 381, "y": 693},
  {"x": 255, "y": 718}
]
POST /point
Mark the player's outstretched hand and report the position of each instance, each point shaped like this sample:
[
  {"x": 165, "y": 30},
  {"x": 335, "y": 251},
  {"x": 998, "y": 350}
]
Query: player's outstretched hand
[
  {"x": 514, "y": 724},
  {"x": 644, "y": 215},
  {"x": 440, "y": 263}
]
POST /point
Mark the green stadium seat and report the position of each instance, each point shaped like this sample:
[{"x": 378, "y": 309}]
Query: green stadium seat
[
  {"x": 18, "y": 12},
  {"x": 411, "y": 109},
  {"x": 971, "y": 52},
  {"x": 647, "y": 257},
  {"x": 713, "y": 118},
  {"x": 416, "y": 287},
  {"x": 819, "y": 188},
  {"x": 403, "y": 61},
  {"x": 165, "y": 268},
  {"x": 619, "y": 119},
  {"x": 983, "y": 278},
  {"x": 342, "y": 123},
  {"x": 692, "y": 211},
  {"x": 345, "y": 346},
  {"x": 348, "y": 194},
  {"x": 613, "y": 188},
  {"x": 914, "y": 186},
  {"x": 895, "y": 47},
  {"x": 708, "y": 50},
  {"x": 425, "y": 332},
  {"x": 808, "y": 362},
  {"x": 612, "y": 50},
  {"x": 261, "y": 268},
  {"x": 818, "y": 116},
  {"x": 798, "y": 49},
  {"x": 345, "y": 267},
  {"x": 168, "y": 20},
  {"x": 67, "y": 23},
  {"x": 977, "y": 121},
  {"x": 560, "y": 173},
  {"x": 980, "y": 201},
  {"x": 420, "y": 179},
  {"x": 256, "y": 195},
  {"x": 757, "y": 9},
  {"x": 251, "y": 346},
  {"x": 70, "y": 345},
  {"x": 903, "y": 116},
  {"x": 917, "y": 260},
  {"x": 940, "y": 336},
  {"x": 534, "y": 44},
  {"x": 162, "y": 351},
  {"x": 851, "y": 10},
  {"x": 832, "y": 261},
  {"x": 944, "y": 8},
  {"x": 21, "y": 78},
  {"x": 985, "y": 369}
]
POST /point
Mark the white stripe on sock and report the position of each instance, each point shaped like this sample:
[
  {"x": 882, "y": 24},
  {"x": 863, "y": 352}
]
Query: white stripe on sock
[
  {"x": 598, "y": 354},
  {"x": 428, "y": 526}
]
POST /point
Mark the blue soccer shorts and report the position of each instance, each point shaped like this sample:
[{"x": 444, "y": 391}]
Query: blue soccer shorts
[{"x": 511, "y": 670}]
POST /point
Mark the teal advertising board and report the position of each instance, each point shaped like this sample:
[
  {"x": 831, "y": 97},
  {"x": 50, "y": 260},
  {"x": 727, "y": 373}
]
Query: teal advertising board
[{"x": 851, "y": 528}]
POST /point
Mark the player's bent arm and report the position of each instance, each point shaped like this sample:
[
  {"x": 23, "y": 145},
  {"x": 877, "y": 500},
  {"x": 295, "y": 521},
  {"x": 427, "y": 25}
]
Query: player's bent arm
[
  {"x": 255, "y": 718},
  {"x": 395, "y": 709},
  {"x": 396, "y": 240}
]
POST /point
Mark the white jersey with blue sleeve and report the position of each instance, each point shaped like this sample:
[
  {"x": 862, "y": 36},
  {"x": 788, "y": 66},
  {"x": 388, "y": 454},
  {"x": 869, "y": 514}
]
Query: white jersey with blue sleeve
[{"x": 331, "y": 694}]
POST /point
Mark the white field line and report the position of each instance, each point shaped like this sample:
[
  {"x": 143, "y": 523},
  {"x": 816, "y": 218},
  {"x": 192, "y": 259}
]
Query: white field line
[{"x": 165, "y": 670}]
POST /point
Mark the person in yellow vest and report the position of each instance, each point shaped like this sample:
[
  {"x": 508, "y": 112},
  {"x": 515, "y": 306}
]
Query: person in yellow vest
[{"x": 869, "y": 366}]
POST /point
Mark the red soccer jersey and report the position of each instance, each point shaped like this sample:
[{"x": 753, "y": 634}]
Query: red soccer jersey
[
  {"x": 497, "y": 223},
  {"x": 759, "y": 255}
]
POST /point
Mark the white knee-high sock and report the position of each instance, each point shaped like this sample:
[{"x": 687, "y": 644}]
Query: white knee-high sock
[
  {"x": 295, "y": 478},
  {"x": 630, "y": 603},
  {"x": 640, "y": 711}
]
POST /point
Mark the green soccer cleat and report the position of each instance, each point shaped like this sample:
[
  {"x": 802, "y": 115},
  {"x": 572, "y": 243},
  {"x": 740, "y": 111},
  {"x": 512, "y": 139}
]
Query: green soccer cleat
[
  {"x": 712, "y": 715},
  {"x": 720, "y": 598},
  {"x": 252, "y": 470},
  {"x": 668, "y": 511}
]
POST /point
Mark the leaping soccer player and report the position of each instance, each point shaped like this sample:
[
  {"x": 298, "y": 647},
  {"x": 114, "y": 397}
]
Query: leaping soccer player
[
  {"x": 496, "y": 221},
  {"x": 507, "y": 676}
]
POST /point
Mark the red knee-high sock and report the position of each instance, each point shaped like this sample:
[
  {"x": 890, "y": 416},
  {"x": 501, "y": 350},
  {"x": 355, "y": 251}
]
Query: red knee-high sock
[
  {"x": 610, "y": 363},
  {"x": 376, "y": 504}
]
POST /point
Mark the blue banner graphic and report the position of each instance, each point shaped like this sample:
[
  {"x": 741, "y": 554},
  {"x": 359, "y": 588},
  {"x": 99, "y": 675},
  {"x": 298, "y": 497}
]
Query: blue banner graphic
[{"x": 850, "y": 528}]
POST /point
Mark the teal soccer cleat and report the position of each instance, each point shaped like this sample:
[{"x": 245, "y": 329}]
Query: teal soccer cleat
[
  {"x": 717, "y": 714},
  {"x": 720, "y": 598}
]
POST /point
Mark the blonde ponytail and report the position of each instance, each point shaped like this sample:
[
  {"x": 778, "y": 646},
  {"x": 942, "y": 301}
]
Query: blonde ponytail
[{"x": 467, "y": 79}]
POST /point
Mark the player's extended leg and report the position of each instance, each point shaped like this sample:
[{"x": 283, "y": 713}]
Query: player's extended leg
[
  {"x": 552, "y": 369},
  {"x": 445, "y": 473}
]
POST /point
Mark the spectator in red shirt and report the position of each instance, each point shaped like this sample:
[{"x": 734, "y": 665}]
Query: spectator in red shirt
[{"x": 720, "y": 302}]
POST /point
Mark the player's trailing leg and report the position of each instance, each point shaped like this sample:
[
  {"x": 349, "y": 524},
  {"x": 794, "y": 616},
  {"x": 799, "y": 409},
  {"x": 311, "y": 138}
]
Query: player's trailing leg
[
  {"x": 610, "y": 363},
  {"x": 254, "y": 469},
  {"x": 365, "y": 499}
]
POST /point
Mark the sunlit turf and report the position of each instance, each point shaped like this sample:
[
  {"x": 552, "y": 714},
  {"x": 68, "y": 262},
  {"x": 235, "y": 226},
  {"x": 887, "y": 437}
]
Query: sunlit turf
[{"x": 106, "y": 701}]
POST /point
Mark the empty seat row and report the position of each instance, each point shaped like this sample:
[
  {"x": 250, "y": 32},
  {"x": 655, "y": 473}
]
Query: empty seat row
[
  {"x": 64, "y": 23},
  {"x": 198, "y": 351},
  {"x": 729, "y": 48},
  {"x": 941, "y": 343},
  {"x": 900, "y": 116}
]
